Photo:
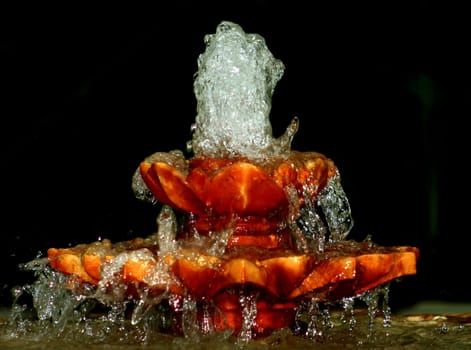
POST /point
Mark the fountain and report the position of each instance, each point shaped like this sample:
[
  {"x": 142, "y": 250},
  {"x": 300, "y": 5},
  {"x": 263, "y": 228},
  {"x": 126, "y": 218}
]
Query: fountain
[{"x": 251, "y": 236}]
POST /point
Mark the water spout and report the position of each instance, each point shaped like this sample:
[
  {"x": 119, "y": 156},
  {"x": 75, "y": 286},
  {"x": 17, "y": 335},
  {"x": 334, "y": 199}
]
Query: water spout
[{"x": 236, "y": 78}]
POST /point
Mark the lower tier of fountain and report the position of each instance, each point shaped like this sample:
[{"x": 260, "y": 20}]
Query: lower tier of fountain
[{"x": 246, "y": 289}]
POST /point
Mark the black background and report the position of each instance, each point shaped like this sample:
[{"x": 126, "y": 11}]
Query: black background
[{"x": 382, "y": 89}]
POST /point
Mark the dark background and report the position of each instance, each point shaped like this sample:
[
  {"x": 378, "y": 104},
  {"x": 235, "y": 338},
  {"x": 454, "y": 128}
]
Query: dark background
[{"x": 382, "y": 89}]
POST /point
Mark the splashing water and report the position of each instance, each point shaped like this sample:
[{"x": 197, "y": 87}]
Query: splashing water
[{"x": 234, "y": 84}]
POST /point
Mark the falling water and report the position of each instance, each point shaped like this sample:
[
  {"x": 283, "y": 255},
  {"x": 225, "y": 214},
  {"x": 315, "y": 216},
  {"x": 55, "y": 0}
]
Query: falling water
[{"x": 248, "y": 302}]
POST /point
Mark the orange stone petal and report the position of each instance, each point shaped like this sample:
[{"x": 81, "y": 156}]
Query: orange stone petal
[
  {"x": 243, "y": 271},
  {"x": 138, "y": 270},
  {"x": 153, "y": 183},
  {"x": 176, "y": 189},
  {"x": 196, "y": 275},
  {"x": 374, "y": 270},
  {"x": 69, "y": 262},
  {"x": 285, "y": 174},
  {"x": 318, "y": 167},
  {"x": 199, "y": 182},
  {"x": 92, "y": 264},
  {"x": 286, "y": 273},
  {"x": 350, "y": 276},
  {"x": 245, "y": 189},
  {"x": 327, "y": 273}
]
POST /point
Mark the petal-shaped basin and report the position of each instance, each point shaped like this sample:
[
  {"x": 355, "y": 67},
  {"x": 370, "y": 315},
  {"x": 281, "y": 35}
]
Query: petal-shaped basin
[{"x": 284, "y": 275}]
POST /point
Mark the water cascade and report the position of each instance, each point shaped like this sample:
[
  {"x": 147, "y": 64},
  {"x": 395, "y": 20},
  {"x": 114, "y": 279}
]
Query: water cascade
[{"x": 251, "y": 237}]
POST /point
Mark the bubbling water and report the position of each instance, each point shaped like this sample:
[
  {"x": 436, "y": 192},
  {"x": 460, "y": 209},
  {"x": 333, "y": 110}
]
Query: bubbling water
[{"x": 236, "y": 78}]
